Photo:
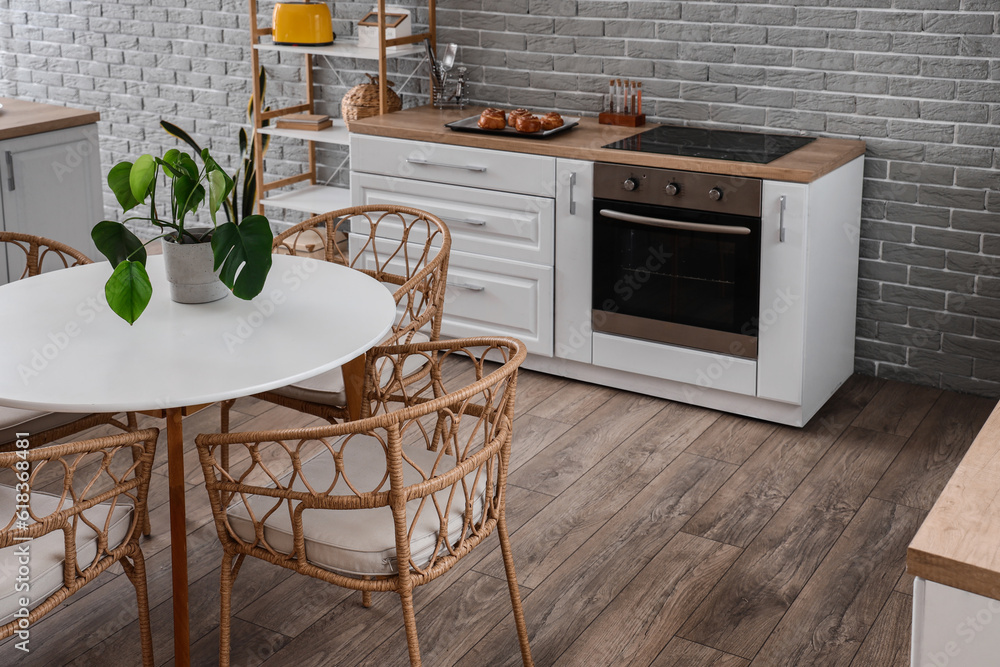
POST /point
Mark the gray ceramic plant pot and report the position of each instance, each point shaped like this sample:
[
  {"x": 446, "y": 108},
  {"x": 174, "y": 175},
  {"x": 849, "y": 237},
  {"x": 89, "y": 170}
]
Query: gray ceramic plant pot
[{"x": 189, "y": 271}]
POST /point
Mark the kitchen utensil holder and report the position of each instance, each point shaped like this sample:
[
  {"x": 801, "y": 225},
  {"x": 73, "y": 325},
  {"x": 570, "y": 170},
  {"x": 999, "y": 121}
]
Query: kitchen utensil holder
[
  {"x": 628, "y": 120},
  {"x": 450, "y": 88}
]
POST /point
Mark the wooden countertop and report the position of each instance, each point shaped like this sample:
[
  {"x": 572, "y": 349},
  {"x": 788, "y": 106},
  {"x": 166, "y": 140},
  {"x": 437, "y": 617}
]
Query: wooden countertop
[
  {"x": 959, "y": 543},
  {"x": 585, "y": 143},
  {"x": 19, "y": 118}
]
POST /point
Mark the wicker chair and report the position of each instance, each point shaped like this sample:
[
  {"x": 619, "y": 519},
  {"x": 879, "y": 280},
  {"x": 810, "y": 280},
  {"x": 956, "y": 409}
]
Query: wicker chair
[
  {"x": 385, "y": 503},
  {"x": 28, "y": 256},
  {"x": 405, "y": 248},
  {"x": 81, "y": 514}
]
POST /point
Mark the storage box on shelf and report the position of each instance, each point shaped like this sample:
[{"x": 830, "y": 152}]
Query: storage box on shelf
[{"x": 308, "y": 195}]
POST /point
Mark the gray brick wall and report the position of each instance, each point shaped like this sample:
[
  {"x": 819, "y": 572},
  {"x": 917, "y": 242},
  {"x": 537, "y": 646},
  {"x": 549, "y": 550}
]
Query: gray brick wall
[{"x": 919, "y": 80}]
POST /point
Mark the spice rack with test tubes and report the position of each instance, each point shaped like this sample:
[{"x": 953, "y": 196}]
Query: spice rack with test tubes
[{"x": 624, "y": 104}]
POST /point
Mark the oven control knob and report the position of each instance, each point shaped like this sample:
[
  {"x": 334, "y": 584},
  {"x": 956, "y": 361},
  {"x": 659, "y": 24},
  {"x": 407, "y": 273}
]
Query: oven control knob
[
  {"x": 630, "y": 184},
  {"x": 671, "y": 189},
  {"x": 715, "y": 194}
]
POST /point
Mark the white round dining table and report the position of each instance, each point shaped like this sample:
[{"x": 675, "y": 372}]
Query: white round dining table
[{"x": 65, "y": 350}]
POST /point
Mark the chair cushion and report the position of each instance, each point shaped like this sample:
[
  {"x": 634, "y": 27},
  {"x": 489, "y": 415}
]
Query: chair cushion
[
  {"x": 328, "y": 388},
  {"x": 47, "y": 553},
  {"x": 359, "y": 542},
  {"x": 15, "y": 420}
]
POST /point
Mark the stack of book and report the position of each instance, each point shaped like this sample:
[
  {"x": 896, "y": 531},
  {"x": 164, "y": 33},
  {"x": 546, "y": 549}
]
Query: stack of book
[{"x": 303, "y": 121}]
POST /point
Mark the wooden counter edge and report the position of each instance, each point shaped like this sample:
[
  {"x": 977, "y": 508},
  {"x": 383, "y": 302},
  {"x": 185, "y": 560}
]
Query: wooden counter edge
[
  {"x": 966, "y": 557},
  {"x": 954, "y": 573},
  {"x": 40, "y": 118},
  {"x": 803, "y": 166}
]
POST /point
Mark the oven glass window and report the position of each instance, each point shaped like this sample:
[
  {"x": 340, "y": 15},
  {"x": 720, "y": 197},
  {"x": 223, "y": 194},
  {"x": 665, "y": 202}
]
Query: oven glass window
[{"x": 695, "y": 278}]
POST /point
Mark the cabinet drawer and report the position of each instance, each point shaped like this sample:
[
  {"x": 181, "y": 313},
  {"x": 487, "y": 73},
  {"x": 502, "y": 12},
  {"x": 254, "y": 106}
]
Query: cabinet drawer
[
  {"x": 492, "y": 297},
  {"x": 694, "y": 367},
  {"x": 498, "y": 224},
  {"x": 457, "y": 165}
]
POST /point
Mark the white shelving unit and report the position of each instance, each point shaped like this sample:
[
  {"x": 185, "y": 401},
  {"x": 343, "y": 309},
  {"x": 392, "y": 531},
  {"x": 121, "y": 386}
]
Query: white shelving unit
[
  {"x": 337, "y": 134},
  {"x": 302, "y": 192},
  {"x": 342, "y": 49},
  {"x": 311, "y": 199}
]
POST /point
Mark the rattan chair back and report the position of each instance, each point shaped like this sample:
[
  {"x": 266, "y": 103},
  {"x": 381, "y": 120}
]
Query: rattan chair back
[
  {"x": 430, "y": 458},
  {"x": 93, "y": 491},
  {"x": 40, "y": 253},
  {"x": 401, "y": 246}
]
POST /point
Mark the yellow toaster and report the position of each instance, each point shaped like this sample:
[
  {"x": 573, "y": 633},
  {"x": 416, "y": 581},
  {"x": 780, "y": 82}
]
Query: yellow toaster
[{"x": 302, "y": 24}]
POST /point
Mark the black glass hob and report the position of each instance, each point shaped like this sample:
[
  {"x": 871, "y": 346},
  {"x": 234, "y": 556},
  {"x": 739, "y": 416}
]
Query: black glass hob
[{"x": 713, "y": 144}]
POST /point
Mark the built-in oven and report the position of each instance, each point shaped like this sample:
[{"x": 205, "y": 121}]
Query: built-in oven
[{"x": 676, "y": 257}]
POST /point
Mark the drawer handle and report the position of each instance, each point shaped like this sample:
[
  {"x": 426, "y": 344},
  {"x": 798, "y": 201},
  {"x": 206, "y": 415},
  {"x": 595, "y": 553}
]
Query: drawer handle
[
  {"x": 572, "y": 199},
  {"x": 468, "y": 286},
  {"x": 10, "y": 171},
  {"x": 469, "y": 221},
  {"x": 428, "y": 163},
  {"x": 781, "y": 219}
]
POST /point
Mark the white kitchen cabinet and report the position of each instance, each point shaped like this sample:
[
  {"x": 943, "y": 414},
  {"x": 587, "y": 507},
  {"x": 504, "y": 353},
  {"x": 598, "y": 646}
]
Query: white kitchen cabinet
[
  {"x": 498, "y": 224},
  {"x": 807, "y": 298},
  {"x": 51, "y": 186},
  {"x": 575, "y": 230},
  {"x": 522, "y": 265},
  {"x": 500, "y": 210},
  {"x": 952, "y": 627}
]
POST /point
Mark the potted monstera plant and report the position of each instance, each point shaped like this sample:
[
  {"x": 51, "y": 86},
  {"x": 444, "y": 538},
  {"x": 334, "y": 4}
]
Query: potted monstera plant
[{"x": 203, "y": 263}]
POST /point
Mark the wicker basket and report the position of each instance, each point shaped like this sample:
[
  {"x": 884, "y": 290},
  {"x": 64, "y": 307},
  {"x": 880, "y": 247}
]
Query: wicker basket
[{"x": 361, "y": 101}]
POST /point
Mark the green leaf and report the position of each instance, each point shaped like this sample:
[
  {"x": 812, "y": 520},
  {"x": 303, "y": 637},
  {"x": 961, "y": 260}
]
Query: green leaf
[
  {"x": 118, "y": 181},
  {"x": 249, "y": 192},
  {"x": 243, "y": 142},
  {"x": 217, "y": 191},
  {"x": 128, "y": 290},
  {"x": 171, "y": 156},
  {"x": 170, "y": 168},
  {"x": 180, "y": 134},
  {"x": 117, "y": 243},
  {"x": 188, "y": 195},
  {"x": 141, "y": 176},
  {"x": 244, "y": 253},
  {"x": 187, "y": 163}
]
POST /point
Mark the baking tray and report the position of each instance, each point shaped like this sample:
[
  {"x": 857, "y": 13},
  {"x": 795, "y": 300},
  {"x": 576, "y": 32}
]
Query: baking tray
[{"x": 470, "y": 124}]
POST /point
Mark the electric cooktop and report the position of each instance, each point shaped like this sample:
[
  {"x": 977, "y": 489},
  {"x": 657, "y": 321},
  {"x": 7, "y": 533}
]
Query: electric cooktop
[{"x": 713, "y": 144}]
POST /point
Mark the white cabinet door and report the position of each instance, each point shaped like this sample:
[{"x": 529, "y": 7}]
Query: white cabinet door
[
  {"x": 780, "y": 344},
  {"x": 458, "y": 165},
  {"x": 574, "y": 234},
  {"x": 51, "y": 184},
  {"x": 486, "y": 296},
  {"x": 497, "y": 224}
]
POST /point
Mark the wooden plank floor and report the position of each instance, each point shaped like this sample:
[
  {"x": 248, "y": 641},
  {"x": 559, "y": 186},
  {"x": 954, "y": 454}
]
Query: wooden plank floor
[{"x": 646, "y": 533}]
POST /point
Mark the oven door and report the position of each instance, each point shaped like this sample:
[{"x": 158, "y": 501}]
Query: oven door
[{"x": 677, "y": 276}]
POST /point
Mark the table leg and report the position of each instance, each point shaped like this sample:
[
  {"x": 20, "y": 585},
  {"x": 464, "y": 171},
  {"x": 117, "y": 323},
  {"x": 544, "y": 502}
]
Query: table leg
[
  {"x": 178, "y": 537},
  {"x": 354, "y": 384}
]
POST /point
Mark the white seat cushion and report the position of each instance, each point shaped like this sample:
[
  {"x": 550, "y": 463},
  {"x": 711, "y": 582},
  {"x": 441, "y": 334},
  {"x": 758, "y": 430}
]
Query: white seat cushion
[
  {"x": 47, "y": 553},
  {"x": 328, "y": 388},
  {"x": 15, "y": 420},
  {"x": 359, "y": 542}
]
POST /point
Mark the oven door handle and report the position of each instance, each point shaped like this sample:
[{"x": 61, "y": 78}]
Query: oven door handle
[{"x": 675, "y": 224}]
